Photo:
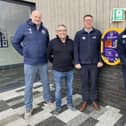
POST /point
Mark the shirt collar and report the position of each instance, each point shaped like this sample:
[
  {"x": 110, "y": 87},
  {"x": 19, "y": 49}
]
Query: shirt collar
[
  {"x": 88, "y": 30},
  {"x": 84, "y": 30}
]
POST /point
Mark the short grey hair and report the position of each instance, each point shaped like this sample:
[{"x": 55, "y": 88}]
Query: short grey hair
[{"x": 61, "y": 25}]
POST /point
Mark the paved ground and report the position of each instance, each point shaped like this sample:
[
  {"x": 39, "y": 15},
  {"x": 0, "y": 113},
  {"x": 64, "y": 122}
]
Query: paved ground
[{"x": 12, "y": 106}]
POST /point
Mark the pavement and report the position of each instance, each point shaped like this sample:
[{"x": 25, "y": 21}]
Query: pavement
[{"x": 12, "y": 106}]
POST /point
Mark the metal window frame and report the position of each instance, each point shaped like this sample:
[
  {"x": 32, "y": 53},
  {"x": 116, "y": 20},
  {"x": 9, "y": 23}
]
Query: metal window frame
[{"x": 31, "y": 4}]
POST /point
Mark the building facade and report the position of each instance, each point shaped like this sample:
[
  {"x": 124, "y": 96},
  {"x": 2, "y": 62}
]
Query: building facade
[{"x": 69, "y": 12}]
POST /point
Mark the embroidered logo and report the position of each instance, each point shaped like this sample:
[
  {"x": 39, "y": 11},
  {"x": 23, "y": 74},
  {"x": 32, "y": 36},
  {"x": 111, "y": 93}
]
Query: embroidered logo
[
  {"x": 93, "y": 37},
  {"x": 124, "y": 36},
  {"x": 43, "y": 31},
  {"x": 123, "y": 41},
  {"x": 83, "y": 37},
  {"x": 30, "y": 31}
]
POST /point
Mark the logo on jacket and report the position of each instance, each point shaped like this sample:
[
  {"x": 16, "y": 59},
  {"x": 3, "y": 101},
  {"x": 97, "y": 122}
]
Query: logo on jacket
[
  {"x": 83, "y": 37},
  {"x": 123, "y": 41},
  {"x": 43, "y": 31},
  {"x": 30, "y": 31},
  {"x": 124, "y": 36},
  {"x": 93, "y": 37}
]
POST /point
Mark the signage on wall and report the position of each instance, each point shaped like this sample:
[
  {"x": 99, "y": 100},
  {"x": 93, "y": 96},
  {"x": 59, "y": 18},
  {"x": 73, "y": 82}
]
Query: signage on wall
[
  {"x": 3, "y": 41},
  {"x": 118, "y": 14},
  {"x": 109, "y": 41}
]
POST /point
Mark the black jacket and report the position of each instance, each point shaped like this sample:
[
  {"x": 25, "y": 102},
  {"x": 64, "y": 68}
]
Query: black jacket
[
  {"x": 61, "y": 54},
  {"x": 121, "y": 47},
  {"x": 87, "y": 47}
]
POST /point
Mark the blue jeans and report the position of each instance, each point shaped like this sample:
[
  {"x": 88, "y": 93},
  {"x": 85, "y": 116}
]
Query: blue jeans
[
  {"x": 30, "y": 72},
  {"x": 58, "y": 76}
]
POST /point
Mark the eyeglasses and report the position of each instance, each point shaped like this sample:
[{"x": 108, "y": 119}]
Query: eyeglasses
[
  {"x": 62, "y": 30},
  {"x": 88, "y": 20}
]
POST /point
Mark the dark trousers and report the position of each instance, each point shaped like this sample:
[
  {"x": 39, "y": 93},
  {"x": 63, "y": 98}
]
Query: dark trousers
[
  {"x": 89, "y": 74},
  {"x": 124, "y": 76}
]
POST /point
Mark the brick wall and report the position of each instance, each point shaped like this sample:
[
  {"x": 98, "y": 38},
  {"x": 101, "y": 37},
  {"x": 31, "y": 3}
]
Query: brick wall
[{"x": 110, "y": 86}]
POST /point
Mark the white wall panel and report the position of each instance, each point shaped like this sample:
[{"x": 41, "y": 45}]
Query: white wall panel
[{"x": 71, "y": 13}]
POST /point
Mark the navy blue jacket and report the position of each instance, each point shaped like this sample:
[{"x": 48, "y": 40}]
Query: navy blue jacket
[
  {"x": 87, "y": 47},
  {"x": 32, "y": 43},
  {"x": 121, "y": 47}
]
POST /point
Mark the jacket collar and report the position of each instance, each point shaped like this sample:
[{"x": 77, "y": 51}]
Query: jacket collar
[
  {"x": 124, "y": 31},
  {"x": 83, "y": 30},
  {"x": 29, "y": 22},
  {"x": 67, "y": 38}
]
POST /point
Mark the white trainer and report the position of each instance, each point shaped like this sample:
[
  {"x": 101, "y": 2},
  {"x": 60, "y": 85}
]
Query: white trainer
[
  {"x": 27, "y": 115},
  {"x": 49, "y": 106}
]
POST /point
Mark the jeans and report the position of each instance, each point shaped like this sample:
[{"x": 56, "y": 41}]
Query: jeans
[
  {"x": 89, "y": 74},
  {"x": 58, "y": 77},
  {"x": 30, "y": 72}
]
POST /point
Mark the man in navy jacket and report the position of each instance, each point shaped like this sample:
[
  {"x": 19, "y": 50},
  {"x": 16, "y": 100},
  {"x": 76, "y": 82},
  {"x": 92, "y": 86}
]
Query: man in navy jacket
[
  {"x": 122, "y": 53},
  {"x": 87, "y": 58},
  {"x": 31, "y": 41}
]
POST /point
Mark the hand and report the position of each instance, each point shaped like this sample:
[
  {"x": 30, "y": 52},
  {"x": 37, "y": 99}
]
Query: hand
[
  {"x": 100, "y": 64},
  {"x": 78, "y": 66}
]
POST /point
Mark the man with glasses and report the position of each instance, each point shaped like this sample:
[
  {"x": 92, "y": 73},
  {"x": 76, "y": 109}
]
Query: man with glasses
[
  {"x": 60, "y": 54},
  {"x": 87, "y": 59}
]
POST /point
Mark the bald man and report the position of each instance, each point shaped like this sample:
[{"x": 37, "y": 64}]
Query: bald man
[{"x": 31, "y": 41}]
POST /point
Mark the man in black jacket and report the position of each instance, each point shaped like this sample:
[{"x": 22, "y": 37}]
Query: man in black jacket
[
  {"x": 60, "y": 54},
  {"x": 122, "y": 53},
  {"x": 87, "y": 58}
]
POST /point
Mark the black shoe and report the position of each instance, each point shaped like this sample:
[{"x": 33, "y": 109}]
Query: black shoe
[
  {"x": 83, "y": 106},
  {"x": 96, "y": 106}
]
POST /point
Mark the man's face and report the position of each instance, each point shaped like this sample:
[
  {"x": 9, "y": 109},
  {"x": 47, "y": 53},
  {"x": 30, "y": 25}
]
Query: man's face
[
  {"x": 36, "y": 17},
  {"x": 88, "y": 22},
  {"x": 61, "y": 32}
]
